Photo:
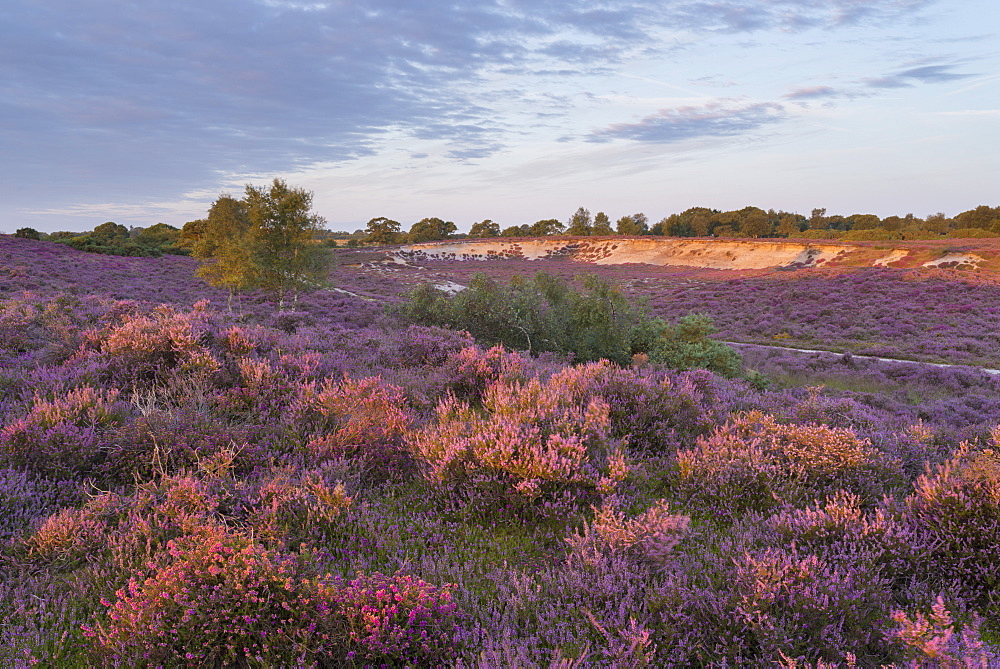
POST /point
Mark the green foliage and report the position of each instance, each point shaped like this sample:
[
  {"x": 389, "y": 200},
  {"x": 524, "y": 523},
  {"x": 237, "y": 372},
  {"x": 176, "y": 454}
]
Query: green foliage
[
  {"x": 382, "y": 230},
  {"x": 540, "y": 313},
  {"x": 636, "y": 224},
  {"x": 580, "y": 223},
  {"x": 111, "y": 239},
  {"x": 686, "y": 345},
  {"x": 545, "y": 227},
  {"x": 162, "y": 236},
  {"x": 431, "y": 229},
  {"x": 517, "y": 231},
  {"x": 543, "y": 313},
  {"x": 282, "y": 235},
  {"x": 223, "y": 241},
  {"x": 486, "y": 228},
  {"x": 28, "y": 233},
  {"x": 266, "y": 240}
]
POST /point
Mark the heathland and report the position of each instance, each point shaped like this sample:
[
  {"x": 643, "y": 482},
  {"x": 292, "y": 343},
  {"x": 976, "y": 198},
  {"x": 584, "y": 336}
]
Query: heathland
[{"x": 355, "y": 481}]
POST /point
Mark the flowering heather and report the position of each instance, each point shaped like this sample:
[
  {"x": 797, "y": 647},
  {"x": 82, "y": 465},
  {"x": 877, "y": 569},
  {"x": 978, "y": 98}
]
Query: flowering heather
[
  {"x": 932, "y": 639},
  {"x": 755, "y": 463},
  {"x": 955, "y": 506},
  {"x": 346, "y": 415},
  {"x": 537, "y": 435},
  {"x": 257, "y": 469},
  {"x": 399, "y": 617},
  {"x": 65, "y": 435},
  {"x": 651, "y": 536}
]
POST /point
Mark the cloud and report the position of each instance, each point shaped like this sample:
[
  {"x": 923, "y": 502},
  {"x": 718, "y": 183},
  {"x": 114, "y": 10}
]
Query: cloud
[
  {"x": 811, "y": 93},
  {"x": 717, "y": 119},
  {"x": 154, "y": 97},
  {"x": 924, "y": 74}
]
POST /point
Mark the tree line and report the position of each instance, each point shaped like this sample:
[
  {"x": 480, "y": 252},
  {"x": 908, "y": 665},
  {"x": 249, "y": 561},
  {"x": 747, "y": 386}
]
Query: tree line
[{"x": 749, "y": 222}]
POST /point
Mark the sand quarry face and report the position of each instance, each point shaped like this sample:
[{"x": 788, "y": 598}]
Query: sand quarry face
[{"x": 707, "y": 253}]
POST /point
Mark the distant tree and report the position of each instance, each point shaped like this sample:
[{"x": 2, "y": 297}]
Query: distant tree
[
  {"x": 431, "y": 229},
  {"x": 190, "y": 233},
  {"x": 817, "y": 220},
  {"x": 938, "y": 223},
  {"x": 636, "y": 224},
  {"x": 865, "y": 221},
  {"x": 28, "y": 233},
  {"x": 517, "y": 231},
  {"x": 756, "y": 223},
  {"x": 983, "y": 217},
  {"x": 109, "y": 233},
  {"x": 224, "y": 241},
  {"x": 109, "y": 238},
  {"x": 162, "y": 236},
  {"x": 283, "y": 240},
  {"x": 788, "y": 225},
  {"x": 893, "y": 223},
  {"x": 486, "y": 228},
  {"x": 580, "y": 223},
  {"x": 602, "y": 225},
  {"x": 382, "y": 230},
  {"x": 546, "y": 227}
]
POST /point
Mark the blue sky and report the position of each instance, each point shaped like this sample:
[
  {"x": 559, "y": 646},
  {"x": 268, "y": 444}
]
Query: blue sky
[{"x": 513, "y": 110}]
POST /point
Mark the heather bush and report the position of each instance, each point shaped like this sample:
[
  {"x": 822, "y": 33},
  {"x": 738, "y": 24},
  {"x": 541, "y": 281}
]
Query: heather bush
[
  {"x": 167, "y": 441},
  {"x": 932, "y": 640},
  {"x": 291, "y": 507},
  {"x": 147, "y": 349},
  {"x": 755, "y": 463},
  {"x": 65, "y": 538},
  {"x": 649, "y": 537},
  {"x": 842, "y": 531},
  {"x": 955, "y": 508},
  {"x": 25, "y": 498},
  {"x": 472, "y": 370},
  {"x": 64, "y": 436},
  {"x": 760, "y": 606},
  {"x": 221, "y": 600},
  {"x": 350, "y": 418},
  {"x": 656, "y": 411},
  {"x": 261, "y": 391},
  {"x": 534, "y": 438},
  {"x": 391, "y": 618}
]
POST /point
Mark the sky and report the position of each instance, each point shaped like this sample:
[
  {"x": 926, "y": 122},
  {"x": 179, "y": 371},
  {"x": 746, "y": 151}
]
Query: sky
[{"x": 146, "y": 111}]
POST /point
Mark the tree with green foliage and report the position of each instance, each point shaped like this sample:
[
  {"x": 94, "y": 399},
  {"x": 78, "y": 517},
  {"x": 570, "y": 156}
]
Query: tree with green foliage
[
  {"x": 602, "y": 225},
  {"x": 224, "y": 241},
  {"x": 687, "y": 345},
  {"x": 517, "y": 231},
  {"x": 382, "y": 231},
  {"x": 545, "y": 227},
  {"x": 636, "y": 224},
  {"x": 431, "y": 229},
  {"x": 28, "y": 233},
  {"x": 163, "y": 236},
  {"x": 485, "y": 228},
  {"x": 580, "y": 223},
  {"x": 111, "y": 239},
  {"x": 283, "y": 240}
]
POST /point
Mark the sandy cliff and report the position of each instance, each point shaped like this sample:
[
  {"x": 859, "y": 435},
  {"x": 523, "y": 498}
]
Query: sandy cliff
[{"x": 708, "y": 253}]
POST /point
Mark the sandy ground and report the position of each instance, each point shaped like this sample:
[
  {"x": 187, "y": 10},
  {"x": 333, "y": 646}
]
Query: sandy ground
[{"x": 707, "y": 253}]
